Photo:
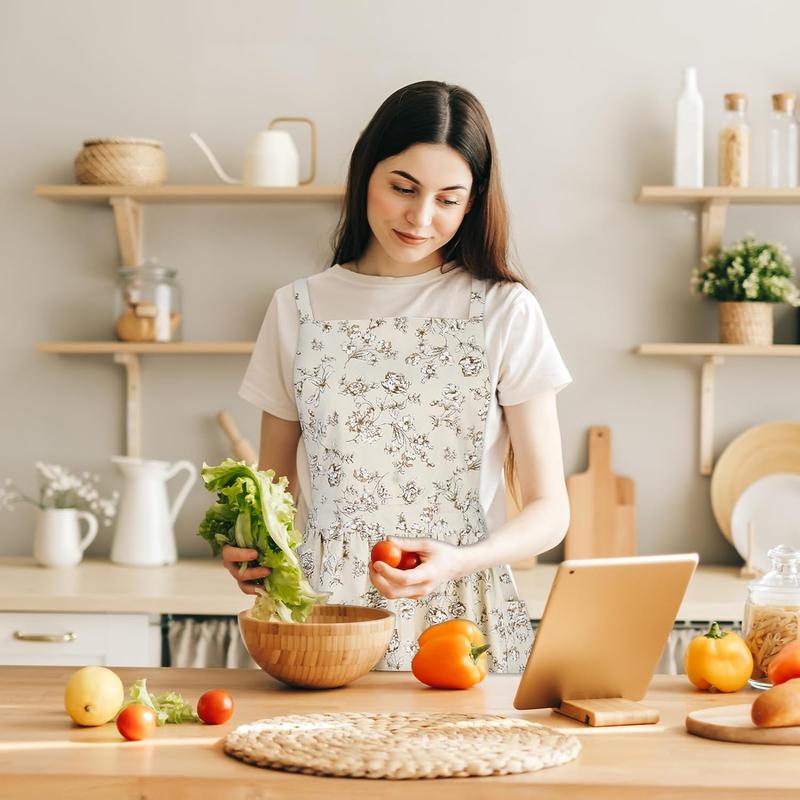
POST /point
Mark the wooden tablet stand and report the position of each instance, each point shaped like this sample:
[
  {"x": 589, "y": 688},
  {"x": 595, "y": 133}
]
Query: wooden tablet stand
[{"x": 607, "y": 711}]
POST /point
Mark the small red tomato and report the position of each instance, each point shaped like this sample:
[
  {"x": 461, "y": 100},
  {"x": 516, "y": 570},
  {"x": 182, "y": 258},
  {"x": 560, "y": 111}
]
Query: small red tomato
[
  {"x": 215, "y": 707},
  {"x": 136, "y": 722},
  {"x": 409, "y": 560},
  {"x": 388, "y": 552}
]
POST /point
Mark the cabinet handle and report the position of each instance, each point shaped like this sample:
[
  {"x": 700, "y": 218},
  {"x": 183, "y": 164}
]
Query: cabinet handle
[{"x": 45, "y": 637}]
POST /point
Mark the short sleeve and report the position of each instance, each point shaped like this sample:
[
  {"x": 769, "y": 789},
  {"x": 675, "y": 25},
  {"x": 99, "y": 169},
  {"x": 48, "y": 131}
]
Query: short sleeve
[
  {"x": 529, "y": 361},
  {"x": 268, "y": 382}
]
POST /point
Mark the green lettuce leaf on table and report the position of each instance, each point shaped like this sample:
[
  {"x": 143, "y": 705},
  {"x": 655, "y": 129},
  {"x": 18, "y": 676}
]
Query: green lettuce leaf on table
[
  {"x": 256, "y": 511},
  {"x": 168, "y": 707}
]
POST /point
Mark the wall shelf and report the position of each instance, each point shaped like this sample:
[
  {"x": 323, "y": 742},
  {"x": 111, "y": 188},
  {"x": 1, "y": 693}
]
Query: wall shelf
[
  {"x": 127, "y": 354},
  {"x": 150, "y": 348},
  {"x": 127, "y": 202},
  {"x": 715, "y": 201},
  {"x": 714, "y": 355},
  {"x": 191, "y": 193}
]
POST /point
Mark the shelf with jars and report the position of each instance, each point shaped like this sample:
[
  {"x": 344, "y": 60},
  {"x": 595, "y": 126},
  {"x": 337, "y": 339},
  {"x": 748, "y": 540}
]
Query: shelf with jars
[{"x": 148, "y": 313}]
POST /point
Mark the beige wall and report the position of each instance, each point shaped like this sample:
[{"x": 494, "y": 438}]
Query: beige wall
[{"x": 581, "y": 97}]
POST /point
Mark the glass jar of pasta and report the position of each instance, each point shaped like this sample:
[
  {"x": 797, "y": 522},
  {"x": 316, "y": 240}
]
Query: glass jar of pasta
[{"x": 772, "y": 611}]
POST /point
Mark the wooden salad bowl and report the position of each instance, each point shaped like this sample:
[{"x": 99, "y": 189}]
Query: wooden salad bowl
[{"x": 335, "y": 646}]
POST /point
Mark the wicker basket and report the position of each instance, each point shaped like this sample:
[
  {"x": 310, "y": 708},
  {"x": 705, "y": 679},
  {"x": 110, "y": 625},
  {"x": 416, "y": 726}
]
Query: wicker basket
[
  {"x": 745, "y": 323},
  {"x": 337, "y": 645},
  {"x": 121, "y": 162}
]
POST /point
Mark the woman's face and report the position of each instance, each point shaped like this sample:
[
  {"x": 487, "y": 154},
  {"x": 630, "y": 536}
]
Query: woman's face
[{"x": 423, "y": 192}]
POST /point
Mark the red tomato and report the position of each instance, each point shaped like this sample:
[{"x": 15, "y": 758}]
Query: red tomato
[
  {"x": 388, "y": 552},
  {"x": 215, "y": 707},
  {"x": 409, "y": 560},
  {"x": 136, "y": 722}
]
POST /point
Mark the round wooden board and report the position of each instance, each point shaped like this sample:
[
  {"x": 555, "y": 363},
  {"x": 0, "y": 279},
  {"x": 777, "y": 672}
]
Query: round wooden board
[
  {"x": 759, "y": 451},
  {"x": 733, "y": 724}
]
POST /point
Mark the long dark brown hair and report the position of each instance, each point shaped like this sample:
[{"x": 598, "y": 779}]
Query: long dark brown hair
[{"x": 433, "y": 112}]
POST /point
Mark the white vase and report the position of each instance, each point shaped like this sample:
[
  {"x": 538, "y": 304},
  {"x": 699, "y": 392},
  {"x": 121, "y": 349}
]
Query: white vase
[
  {"x": 688, "y": 155},
  {"x": 57, "y": 540}
]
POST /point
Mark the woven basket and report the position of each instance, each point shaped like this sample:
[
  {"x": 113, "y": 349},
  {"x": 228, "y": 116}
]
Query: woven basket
[
  {"x": 337, "y": 645},
  {"x": 745, "y": 323},
  {"x": 121, "y": 162}
]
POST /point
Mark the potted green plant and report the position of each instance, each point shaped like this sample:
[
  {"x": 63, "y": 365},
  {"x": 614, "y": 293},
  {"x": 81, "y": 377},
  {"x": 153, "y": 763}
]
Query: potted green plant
[{"x": 747, "y": 279}]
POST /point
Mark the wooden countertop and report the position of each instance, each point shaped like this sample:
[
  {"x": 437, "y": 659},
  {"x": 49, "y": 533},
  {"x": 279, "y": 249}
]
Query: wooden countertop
[
  {"x": 203, "y": 586},
  {"x": 43, "y": 754}
]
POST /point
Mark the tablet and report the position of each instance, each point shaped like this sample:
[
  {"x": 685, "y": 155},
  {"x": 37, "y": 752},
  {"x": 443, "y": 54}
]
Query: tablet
[{"x": 604, "y": 628}]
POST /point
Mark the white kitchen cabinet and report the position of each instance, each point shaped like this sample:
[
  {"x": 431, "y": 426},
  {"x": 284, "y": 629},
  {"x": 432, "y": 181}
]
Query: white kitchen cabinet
[{"x": 80, "y": 639}]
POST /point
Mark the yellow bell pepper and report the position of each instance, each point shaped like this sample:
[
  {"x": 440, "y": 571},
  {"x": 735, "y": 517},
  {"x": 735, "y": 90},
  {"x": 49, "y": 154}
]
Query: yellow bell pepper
[{"x": 718, "y": 659}]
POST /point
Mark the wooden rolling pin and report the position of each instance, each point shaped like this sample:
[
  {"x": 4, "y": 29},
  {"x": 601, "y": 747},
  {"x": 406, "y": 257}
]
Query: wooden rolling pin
[{"x": 242, "y": 448}]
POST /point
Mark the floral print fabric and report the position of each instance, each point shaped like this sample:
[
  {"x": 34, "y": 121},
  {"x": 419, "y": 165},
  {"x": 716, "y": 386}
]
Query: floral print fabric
[{"x": 392, "y": 412}]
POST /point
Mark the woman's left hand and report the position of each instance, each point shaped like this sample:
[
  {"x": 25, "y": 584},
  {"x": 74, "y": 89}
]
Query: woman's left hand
[{"x": 439, "y": 562}]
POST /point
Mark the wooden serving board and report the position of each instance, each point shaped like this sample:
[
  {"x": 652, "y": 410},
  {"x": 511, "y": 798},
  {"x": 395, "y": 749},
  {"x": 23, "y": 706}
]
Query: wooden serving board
[
  {"x": 602, "y": 511},
  {"x": 733, "y": 724}
]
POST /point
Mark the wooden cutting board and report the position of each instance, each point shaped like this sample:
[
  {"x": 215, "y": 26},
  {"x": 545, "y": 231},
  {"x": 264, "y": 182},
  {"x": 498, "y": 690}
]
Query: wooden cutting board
[
  {"x": 602, "y": 510},
  {"x": 733, "y": 724}
]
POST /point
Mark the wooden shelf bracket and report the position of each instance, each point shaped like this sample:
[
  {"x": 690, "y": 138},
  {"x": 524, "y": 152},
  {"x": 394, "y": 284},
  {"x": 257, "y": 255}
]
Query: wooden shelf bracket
[
  {"x": 707, "y": 413},
  {"x": 128, "y": 219},
  {"x": 133, "y": 403},
  {"x": 713, "y": 225}
]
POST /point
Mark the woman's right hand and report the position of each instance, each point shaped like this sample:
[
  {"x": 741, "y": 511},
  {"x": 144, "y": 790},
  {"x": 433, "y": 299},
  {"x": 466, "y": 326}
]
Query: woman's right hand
[{"x": 233, "y": 557}]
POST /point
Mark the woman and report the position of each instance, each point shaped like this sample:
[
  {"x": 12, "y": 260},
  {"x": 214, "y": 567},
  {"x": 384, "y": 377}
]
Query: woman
[{"x": 407, "y": 366}]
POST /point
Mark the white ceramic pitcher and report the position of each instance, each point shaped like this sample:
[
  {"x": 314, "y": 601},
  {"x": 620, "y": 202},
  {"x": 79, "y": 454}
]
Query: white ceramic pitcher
[
  {"x": 57, "y": 540},
  {"x": 144, "y": 536}
]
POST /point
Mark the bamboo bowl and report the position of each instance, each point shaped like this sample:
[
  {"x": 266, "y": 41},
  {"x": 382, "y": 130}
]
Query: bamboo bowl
[{"x": 337, "y": 645}]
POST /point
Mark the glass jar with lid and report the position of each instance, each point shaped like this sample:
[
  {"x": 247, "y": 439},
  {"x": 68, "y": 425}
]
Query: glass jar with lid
[
  {"x": 148, "y": 304},
  {"x": 772, "y": 611},
  {"x": 734, "y": 142}
]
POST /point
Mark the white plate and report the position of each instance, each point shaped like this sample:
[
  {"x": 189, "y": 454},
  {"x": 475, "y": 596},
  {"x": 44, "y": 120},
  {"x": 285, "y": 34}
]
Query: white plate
[{"x": 772, "y": 504}]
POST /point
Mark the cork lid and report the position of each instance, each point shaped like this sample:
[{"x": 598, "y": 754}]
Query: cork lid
[
  {"x": 736, "y": 101},
  {"x": 784, "y": 101}
]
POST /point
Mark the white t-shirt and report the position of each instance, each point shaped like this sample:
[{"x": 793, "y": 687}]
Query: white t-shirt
[{"x": 522, "y": 356}]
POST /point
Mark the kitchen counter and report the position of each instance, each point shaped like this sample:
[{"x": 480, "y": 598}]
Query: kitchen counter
[
  {"x": 203, "y": 586},
  {"x": 43, "y": 754}
]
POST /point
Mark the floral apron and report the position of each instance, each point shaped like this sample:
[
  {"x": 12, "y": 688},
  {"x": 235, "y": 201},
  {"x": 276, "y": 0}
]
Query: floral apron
[{"x": 392, "y": 413}]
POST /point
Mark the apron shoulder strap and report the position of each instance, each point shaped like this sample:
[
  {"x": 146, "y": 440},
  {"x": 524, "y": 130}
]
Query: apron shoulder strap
[
  {"x": 477, "y": 299},
  {"x": 301, "y": 297}
]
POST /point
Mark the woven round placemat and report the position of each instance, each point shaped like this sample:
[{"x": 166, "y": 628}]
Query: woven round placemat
[{"x": 400, "y": 746}]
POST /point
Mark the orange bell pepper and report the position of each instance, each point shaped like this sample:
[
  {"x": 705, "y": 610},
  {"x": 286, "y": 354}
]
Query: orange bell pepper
[
  {"x": 452, "y": 655},
  {"x": 785, "y": 665}
]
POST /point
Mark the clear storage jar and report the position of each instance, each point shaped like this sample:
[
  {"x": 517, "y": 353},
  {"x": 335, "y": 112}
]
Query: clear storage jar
[
  {"x": 734, "y": 142},
  {"x": 772, "y": 612},
  {"x": 148, "y": 304}
]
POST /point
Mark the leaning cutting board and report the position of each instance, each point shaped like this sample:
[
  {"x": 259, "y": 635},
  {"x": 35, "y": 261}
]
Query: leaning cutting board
[
  {"x": 602, "y": 511},
  {"x": 733, "y": 724}
]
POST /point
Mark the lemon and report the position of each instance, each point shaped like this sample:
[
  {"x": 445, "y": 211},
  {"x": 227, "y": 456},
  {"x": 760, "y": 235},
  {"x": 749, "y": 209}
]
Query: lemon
[{"x": 93, "y": 695}]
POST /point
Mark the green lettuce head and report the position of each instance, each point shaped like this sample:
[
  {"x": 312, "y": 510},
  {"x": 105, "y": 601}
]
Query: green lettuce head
[{"x": 255, "y": 511}]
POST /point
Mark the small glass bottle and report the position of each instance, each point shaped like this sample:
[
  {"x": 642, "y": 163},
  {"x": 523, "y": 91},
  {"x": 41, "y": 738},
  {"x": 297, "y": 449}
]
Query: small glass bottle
[
  {"x": 782, "y": 141},
  {"x": 148, "y": 304},
  {"x": 734, "y": 142},
  {"x": 772, "y": 611}
]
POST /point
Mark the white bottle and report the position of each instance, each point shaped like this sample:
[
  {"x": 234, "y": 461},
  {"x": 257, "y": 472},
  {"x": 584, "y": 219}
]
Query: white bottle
[
  {"x": 782, "y": 142},
  {"x": 688, "y": 164}
]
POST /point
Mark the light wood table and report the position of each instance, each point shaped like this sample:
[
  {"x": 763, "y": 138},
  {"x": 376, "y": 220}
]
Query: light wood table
[{"x": 43, "y": 755}]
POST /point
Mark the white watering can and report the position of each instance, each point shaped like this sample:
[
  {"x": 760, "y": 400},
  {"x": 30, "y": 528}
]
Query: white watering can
[
  {"x": 271, "y": 159},
  {"x": 144, "y": 536}
]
